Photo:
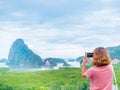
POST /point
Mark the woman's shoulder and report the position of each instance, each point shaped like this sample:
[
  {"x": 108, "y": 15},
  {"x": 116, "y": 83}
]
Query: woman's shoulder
[
  {"x": 106, "y": 67},
  {"x": 99, "y": 68}
]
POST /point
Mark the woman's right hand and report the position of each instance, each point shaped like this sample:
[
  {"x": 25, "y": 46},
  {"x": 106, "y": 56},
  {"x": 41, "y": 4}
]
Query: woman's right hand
[{"x": 85, "y": 58}]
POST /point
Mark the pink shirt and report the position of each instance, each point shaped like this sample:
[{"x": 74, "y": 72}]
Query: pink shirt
[{"x": 100, "y": 77}]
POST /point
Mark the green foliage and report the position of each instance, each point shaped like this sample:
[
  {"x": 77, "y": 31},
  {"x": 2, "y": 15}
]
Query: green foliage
[
  {"x": 117, "y": 72},
  {"x": 4, "y": 70},
  {"x": 61, "y": 79},
  {"x": 5, "y": 87}
]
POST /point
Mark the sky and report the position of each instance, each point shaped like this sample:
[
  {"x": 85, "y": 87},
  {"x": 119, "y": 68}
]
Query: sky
[{"x": 59, "y": 28}]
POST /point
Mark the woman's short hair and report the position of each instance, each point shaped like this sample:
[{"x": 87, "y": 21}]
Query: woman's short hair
[{"x": 100, "y": 57}]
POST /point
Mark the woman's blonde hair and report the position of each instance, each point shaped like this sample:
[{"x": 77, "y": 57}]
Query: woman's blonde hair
[{"x": 100, "y": 57}]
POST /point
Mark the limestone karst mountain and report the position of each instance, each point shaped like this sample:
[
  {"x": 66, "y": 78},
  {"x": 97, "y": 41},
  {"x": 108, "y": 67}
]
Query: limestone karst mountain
[{"x": 21, "y": 56}]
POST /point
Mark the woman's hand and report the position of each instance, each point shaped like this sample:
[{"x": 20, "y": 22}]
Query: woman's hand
[{"x": 85, "y": 58}]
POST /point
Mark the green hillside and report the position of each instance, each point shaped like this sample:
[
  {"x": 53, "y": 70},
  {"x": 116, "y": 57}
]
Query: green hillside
[
  {"x": 62, "y": 79},
  {"x": 114, "y": 52}
]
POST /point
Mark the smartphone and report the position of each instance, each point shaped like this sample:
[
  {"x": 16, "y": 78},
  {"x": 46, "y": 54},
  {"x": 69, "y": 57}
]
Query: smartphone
[{"x": 90, "y": 54}]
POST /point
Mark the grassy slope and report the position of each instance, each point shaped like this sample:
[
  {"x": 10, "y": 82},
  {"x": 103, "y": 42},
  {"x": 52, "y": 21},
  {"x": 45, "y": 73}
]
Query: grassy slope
[
  {"x": 54, "y": 79},
  {"x": 64, "y": 77}
]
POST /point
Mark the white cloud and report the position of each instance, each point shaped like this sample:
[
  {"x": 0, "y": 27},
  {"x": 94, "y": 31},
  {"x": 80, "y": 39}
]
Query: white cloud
[
  {"x": 18, "y": 14},
  {"x": 103, "y": 18},
  {"x": 56, "y": 29},
  {"x": 25, "y": 14},
  {"x": 108, "y": 1},
  {"x": 49, "y": 3},
  {"x": 53, "y": 42},
  {"x": 60, "y": 50},
  {"x": 39, "y": 38}
]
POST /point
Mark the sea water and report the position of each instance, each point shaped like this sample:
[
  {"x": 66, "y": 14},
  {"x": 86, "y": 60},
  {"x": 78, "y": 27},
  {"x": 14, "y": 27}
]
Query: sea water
[{"x": 73, "y": 64}]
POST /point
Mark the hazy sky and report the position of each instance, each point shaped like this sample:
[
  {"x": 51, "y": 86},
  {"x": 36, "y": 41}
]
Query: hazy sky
[{"x": 59, "y": 28}]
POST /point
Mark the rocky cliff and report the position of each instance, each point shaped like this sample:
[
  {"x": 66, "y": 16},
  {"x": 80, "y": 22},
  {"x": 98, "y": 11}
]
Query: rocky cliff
[
  {"x": 114, "y": 52},
  {"x": 21, "y": 56},
  {"x": 54, "y": 62}
]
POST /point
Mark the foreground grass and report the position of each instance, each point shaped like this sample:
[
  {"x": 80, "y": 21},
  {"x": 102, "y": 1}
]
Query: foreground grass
[
  {"x": 62, "y": 79},
  {"x": 44, "y": 80},
  {"x": 117, "y": 72}
]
